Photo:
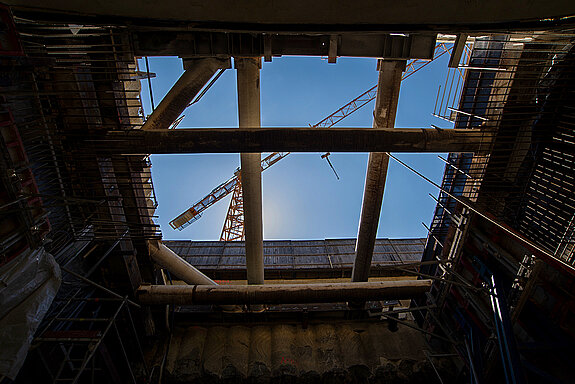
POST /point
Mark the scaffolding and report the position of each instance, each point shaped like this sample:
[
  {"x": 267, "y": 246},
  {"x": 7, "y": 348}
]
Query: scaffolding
[{"x": 90, "y": 340}]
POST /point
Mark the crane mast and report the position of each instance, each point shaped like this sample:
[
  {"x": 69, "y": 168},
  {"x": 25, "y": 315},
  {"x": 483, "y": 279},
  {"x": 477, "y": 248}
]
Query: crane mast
[
  {"x": 233, "y": 226},
  {"x": 233, "y": 229}
]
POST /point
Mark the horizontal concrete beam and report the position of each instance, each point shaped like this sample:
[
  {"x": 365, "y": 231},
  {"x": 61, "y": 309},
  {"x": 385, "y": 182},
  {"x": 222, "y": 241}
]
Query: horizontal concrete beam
[
  {"x": 220, "y": 44},
  {"x": 231, "y": 140},
  {"x": 299, "y": 15},
  {"x": 281, "y": 294}
]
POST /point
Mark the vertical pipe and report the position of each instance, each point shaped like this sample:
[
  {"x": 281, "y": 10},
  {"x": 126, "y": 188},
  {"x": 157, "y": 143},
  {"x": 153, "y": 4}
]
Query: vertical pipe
[
  {"x": 383, "y": 117},
  {"x": 510, "y": 357},
  {"x": 248, "y": 83},
  {"x": 150, "y": 85}
]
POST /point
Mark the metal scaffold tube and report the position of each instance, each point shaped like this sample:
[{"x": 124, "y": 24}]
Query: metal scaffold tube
[{"x": 281, "y": 294}]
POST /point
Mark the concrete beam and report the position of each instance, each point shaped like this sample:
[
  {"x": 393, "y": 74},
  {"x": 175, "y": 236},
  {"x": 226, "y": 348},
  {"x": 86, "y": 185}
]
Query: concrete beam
[
  {"x": 197, "y": 74},
  {"x": 298, "y": 16},
  {"x": 281, "y": 294},
  {"x": 229, "y": 140},
  {"x": 248, "y": 80},
  {"x": 383, "y": 117},
  {"x": 220, "y": 44}
]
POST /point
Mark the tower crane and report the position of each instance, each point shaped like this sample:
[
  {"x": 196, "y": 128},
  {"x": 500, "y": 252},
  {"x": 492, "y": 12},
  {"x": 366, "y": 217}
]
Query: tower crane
[{"x": 234, "y": 224}]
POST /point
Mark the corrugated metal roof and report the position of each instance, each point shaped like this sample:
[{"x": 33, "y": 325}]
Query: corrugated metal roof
[{"x": 288, "y": 254}]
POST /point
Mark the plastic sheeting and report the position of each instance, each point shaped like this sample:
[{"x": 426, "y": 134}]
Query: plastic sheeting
[{"x": 28, "y": 284}]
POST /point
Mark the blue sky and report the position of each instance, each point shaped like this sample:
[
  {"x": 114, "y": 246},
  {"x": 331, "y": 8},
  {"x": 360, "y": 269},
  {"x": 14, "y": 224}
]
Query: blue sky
[{"x": 302, "y": 199}]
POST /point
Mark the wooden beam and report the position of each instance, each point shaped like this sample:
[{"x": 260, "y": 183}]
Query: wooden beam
[
  {"x": 281, "y": 294},
  {"x": 231, "y": 140}
]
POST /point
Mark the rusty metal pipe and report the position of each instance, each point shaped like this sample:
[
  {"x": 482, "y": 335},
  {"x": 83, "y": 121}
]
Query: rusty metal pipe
[{"x": 281, "y": 294}]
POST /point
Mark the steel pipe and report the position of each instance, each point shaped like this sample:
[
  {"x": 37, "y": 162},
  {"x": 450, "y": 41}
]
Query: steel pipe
[
  {"x": 231, "y": 140},
  {"x": 281, "y": 294},
  {"x": 180, "y": 268},
  {"x": 183, "y": 270}
]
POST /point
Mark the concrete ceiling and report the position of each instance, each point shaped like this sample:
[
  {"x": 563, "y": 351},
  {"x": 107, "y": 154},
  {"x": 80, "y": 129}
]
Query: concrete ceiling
[{"x": 299, "y": 15}]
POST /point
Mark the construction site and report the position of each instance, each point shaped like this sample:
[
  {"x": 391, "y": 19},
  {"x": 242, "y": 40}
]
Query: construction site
[{"x": 93, "y": 291}]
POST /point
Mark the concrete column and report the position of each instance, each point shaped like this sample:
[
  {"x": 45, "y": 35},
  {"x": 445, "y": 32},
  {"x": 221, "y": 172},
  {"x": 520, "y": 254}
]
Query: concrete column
[
  {"x": 198, "y": 73},
  {"x": 383, "y": 117},
  {"x": 249, "y": 117}
]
